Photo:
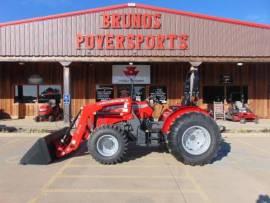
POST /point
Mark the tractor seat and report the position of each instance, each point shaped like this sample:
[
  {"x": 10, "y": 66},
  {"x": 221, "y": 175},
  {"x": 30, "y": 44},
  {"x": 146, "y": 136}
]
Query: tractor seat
[{"x": 239, "y": 105}]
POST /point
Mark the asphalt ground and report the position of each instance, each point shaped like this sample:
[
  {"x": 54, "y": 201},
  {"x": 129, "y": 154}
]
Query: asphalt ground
[{"x": 241, "y": 173}]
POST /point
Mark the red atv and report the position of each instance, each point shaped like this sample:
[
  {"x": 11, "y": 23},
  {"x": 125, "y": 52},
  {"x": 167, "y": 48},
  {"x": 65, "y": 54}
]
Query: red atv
[
  {"x": 190, "y": 134},
  {"x": 50, "y": 111}
]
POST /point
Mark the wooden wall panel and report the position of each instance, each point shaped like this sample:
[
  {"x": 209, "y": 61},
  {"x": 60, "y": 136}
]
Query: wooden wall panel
[
  {"x": 84, "y": 77},
  {"x": 82, "y": 84},
  {"x": 171, "y": 75},
  {"x": 259, "y": 80}
]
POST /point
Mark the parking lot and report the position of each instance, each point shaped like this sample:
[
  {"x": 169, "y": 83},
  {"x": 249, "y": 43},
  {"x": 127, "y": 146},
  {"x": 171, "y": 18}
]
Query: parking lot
[{"x": 241, "y": 173}]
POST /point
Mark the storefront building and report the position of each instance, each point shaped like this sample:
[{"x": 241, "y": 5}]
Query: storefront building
[{"x": 86, "y": 56}]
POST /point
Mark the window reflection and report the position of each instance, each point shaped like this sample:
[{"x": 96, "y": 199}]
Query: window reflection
[
  {"x": 48, "y": 92},
  {"x": 25, "y": 93},
  {"x": 42, "y": 93}
]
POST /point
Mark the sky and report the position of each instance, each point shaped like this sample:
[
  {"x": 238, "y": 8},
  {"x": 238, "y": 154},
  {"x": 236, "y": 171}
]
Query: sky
[{"x": 257, "y": 11}]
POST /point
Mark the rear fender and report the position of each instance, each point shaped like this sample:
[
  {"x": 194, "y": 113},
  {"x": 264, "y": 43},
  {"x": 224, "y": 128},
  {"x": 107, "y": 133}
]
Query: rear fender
[{"x": 177, "y": 114}]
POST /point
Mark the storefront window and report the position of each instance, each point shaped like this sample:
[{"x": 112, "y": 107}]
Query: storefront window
[
  {"x": 237, "y": 93},
  {"x": 47, "y": 92},
  {"x": 217, "y": 93},
  {"x": 139, "y": 92},
  {"x": 159, "y": 93},
  {"x": 213, "y": 93},
  {"x": 25, "y": 94},
  {"x": 125, "y": 91},
  {"x": 32, "y": 93},
  {"x": 104, "y": 92}
]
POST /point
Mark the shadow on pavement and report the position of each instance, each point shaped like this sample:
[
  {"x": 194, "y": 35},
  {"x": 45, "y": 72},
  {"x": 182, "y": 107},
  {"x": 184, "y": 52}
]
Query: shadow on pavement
[
  {"x": 4, "y": 128},
  {"x": 263, "y": 199},
  {"x": 224, "y": 150},
  {"x": 135, "y": 152}
]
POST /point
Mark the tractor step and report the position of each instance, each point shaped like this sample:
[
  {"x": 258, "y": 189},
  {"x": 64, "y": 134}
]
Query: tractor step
[
  {"x": 156, "y": 127},
  {"x": 149, "y": 139}
]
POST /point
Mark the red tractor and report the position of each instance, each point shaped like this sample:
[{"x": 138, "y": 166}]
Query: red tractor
[
  {"x": 191, "y": 135},
  {"x": 50, "y": 111}
]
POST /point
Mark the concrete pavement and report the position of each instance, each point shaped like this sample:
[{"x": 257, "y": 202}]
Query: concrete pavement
[{"x": 241, "y": 173}]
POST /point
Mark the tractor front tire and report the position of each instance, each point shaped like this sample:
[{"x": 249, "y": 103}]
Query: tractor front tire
[
  {"x": 194, "y": 139},
  {"x": 108, "y": 144}
]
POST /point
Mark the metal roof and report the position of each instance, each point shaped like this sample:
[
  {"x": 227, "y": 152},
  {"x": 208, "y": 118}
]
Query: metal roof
[{"x": 55, "y": 36}]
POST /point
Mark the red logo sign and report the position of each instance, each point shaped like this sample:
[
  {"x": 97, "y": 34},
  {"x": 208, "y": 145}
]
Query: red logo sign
[{"x": 131, "y": 71}]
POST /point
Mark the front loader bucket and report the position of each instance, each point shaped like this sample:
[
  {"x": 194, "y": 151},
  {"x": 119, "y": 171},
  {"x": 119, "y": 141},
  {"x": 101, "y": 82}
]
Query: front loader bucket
[{"x": 43, "y": 151}]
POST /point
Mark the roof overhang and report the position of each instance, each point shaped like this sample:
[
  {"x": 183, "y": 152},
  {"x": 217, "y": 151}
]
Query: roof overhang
[{"x": 137, "y": 59}]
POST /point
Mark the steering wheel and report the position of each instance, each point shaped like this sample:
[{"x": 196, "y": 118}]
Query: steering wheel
[{"x": 153, "y": 101}]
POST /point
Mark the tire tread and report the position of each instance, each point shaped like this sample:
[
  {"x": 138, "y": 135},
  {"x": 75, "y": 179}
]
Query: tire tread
[
  {"x": 173, "y": 141},
  {"x": 124, "y": 141}
]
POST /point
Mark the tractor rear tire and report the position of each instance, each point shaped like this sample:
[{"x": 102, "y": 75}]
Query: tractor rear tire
[
  {"x": 194, "y": 139},
  {"x": 108, "y": 144}
]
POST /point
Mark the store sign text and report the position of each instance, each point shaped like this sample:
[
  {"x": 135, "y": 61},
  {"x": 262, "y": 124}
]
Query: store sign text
[{"x": 132, "y": 41}]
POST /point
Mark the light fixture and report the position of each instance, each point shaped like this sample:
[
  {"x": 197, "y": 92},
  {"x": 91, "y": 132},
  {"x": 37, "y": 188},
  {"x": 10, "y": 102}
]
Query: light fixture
[
  {"x": 195, "y": 63},
  {"x": 35, "y": 79},
  {"x": 131, "y": 63},
  {"x": 240, "y": 64},
  {"x": 21, "y": 63}
]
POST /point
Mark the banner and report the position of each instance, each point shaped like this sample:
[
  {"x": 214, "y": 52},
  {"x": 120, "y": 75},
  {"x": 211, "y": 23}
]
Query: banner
[{"x": 124, "y": 74}]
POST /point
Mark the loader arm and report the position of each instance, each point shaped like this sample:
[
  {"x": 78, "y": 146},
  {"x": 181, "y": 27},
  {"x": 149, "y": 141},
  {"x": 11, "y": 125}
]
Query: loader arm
[{"x": 72, "y": 139}]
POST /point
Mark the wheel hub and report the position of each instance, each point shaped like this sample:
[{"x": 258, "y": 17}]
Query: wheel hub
[
  {"x": 196, "y": 140},
  {"x": 107, "y": 145}
]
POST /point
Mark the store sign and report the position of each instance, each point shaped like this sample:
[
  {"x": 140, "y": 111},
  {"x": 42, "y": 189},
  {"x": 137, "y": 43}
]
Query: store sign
[
  {"x": 226, "y": 79},
  {"x": 159, "y": 93},
  {"x": 125, "y": 74},
  {"x": 130, "y": 41},
  {"x": 66, "y": 99},
  {"x": 104, "y": 92}
]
